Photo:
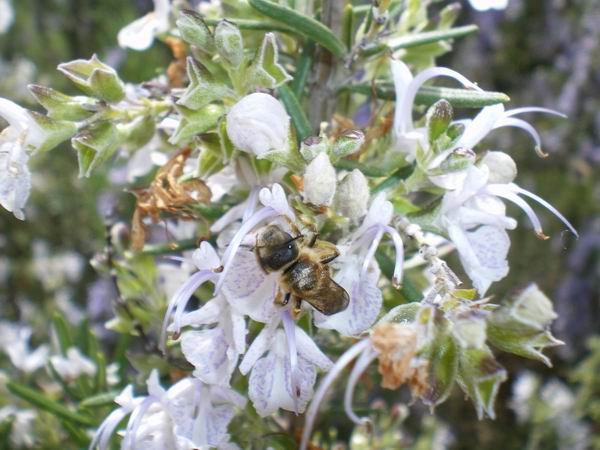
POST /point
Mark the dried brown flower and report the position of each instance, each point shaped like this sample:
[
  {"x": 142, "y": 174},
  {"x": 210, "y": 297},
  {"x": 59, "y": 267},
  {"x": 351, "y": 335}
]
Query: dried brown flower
[
  {"x": 167, "y": 195},
  {"x": 397, "y": 347}
]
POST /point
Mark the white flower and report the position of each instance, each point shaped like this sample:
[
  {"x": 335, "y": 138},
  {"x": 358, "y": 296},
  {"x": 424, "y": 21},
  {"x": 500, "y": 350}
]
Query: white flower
[
  {"x": 21, "y": 125},
  {"x": 491, "y": 118},
  {"x": 15, "y": 178},
  {"x": 320, "y": 181},
  {"x": 483, "y": 5},
  {"x": 22, "y": 422},
  {"x": 258, "y": 123},
  {"x": 352, "y": 196},
  {"x": 359, "y": 273},
  {"x": 207, "y": 261},
  {"x": 14, "y": 341},
  {"x": 214, "y": 352},
  {"x": 22, "y": 134},
  {"x": 190, "y": 414},
  {"x": 285, "y": 376},
  {"x": 145, "y": 159},
  {"x": 250, "y": 290},
  {"x": 474, "y": 217},
  {"x": 7, "y": 16},
  {"x": 502, "y": 167},
  {"x": 139, "y": 34},
  {"x": 406, "y": 86},
  {"x": 73, "y": 365}
]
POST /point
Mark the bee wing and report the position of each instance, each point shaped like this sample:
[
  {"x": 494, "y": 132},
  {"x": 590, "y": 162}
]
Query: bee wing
[{"x": 330, "y": 298}]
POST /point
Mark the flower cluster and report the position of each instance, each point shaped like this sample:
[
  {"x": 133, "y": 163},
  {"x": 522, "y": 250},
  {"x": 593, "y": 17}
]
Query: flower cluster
[{"x": 305, "y": 237}]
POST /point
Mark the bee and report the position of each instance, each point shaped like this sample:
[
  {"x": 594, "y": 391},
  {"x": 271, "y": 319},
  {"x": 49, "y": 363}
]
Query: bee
[{"x": 302, "y": 264}]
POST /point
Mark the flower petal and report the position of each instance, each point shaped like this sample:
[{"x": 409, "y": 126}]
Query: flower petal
[
  {"x": 483, "y": 254},
  {"x": 139, "y": 34},
  {"x": 270, "y": 388},
  {"x": 205, "y": 257},
  {"x": 207, "y": 351},
  {"x": 259, "y": 346},
  {"x": 249, "y": 290},
  {"x": 308, "y": 350}
]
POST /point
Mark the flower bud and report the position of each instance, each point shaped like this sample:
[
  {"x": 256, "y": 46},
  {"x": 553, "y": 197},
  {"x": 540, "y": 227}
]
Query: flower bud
[
  {"x": 347, "y": 143},
  {"x": 319, "y": 181},
  {"x": 503, "y": 168},
  {"x": 312, "y": 146},
  {"x": 353, "y": 195},
  {"x": 439, "y": 117},
  {"x": 194, "y": 31},
  {"x": 229, "y": 43},
  {"x": 94, "y": 78},
  {"x": 258, "y": 123}
]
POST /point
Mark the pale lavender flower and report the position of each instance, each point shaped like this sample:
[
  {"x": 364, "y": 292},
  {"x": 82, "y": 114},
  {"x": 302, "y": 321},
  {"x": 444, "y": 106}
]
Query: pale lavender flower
[
  {"x": 283, "y": 366},
  {"x": 207, "y": 261},
  {"x": 475, "y": 219},
  {"x": 359, "y": 273},
  {"x": 190, "y": 414},
  {"x": 406, "y": 137},
  {"x": 214, "y": 352},
  {"x": 140, "y": 34},
  {"x": 73, "y": 364}
]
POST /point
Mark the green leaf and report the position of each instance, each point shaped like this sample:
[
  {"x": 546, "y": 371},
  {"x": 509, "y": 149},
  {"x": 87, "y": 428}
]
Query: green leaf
[
  {"x": 367, "y": 170},
  {"x": 193, "y": 30},
  {"x": 522, "y": 325},
  {"x": 418, "y": 39},
  {"x": 41, "y": 401},
  {"x": 250, "y": 24},
  {"x": 100, "y": 400},
  {"x": 94, "y": 78},
  {"x": 303, "y": 69},
  {"x": 95, "y": 145},
  {"x": 229, "y": 43},
  {"x": 398, "y": 176},
  {"x": 55, "y": 131},
  {"x": 61, "y": 327},
  {"x": 266, "y": 70},
  {"x": 194, "y": 122},
  {"x": 428, "y": 95},
  {"x": 203, "y": 89},
  {"x": 480, "y": 376},
  {"x": 295, "y": 111},
  {"x": 441, "y": 352},
  {"x": 61, "y": 106},
  {"x": 303, "y": 25}
]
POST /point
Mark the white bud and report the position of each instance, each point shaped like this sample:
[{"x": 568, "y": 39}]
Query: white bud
[
  {"x": 258, "y": 123},
  {"x": 319, "y": 181},
  {"x": 503, "y": 168},
  {"x": 353, "y": 195}
]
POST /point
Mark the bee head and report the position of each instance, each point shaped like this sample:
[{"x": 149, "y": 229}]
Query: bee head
[{"x": 276, "y": 249}]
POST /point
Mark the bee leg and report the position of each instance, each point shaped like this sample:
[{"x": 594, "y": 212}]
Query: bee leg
[
  {"x": 282, "y": 299},
  {"x": 297, "y": 309}
]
